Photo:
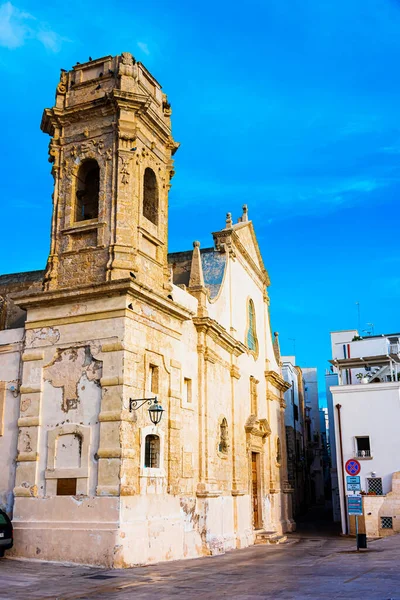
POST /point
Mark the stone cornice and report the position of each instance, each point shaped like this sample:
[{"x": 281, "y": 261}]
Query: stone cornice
[
  {"x": 111, "y": 288},
  {"x": 108, "y": 104},
  {"x": 141, "y": 103},
  {"x": 219, "y": 335},
  {"x": 277, "y": 381}
]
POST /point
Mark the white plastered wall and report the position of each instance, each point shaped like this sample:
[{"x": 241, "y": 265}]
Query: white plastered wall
[
  {"x": 368, "y": 410},
  {"x": 10, "y": 356}
]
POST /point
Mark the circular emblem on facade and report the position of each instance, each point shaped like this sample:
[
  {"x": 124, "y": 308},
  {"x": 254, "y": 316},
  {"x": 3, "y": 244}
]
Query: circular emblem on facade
[{"x": 352, "y": 467}]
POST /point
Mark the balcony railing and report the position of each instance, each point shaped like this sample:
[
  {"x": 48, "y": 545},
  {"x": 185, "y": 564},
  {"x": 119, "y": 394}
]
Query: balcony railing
[
  {"x": 394, "y": 348},
  {"x": 363, "y": 453}
]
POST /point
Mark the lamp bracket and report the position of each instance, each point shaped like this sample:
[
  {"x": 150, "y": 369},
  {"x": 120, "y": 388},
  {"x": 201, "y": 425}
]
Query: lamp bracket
[{"x": 136, "y": 404}]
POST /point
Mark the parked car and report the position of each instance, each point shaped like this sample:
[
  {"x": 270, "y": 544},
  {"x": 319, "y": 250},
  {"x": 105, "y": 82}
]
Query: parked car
[{"x": 6, "y": 533}]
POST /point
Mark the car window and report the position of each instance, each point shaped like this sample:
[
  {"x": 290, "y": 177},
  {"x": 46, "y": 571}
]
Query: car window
[{"x": 3, "y": 520}]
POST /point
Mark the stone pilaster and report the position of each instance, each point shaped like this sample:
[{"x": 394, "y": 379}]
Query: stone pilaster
[{"x": 31, "y": 390}]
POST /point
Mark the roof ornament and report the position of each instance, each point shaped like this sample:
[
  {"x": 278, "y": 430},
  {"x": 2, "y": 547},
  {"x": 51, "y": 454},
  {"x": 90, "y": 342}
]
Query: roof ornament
[
  {"x": 229, "y": 222},
  {"x": 196, "y": 269},
  {"x": 277, "y": 350},
  {"x": 245, "y": 215}
]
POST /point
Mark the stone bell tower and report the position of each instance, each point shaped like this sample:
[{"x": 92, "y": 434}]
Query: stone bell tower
[{"x": 111, "y": 151}]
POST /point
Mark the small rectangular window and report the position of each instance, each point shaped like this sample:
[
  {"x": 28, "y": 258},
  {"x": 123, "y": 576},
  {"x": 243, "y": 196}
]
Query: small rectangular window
[
  {"x": 296, "y": 412},
  {"x": 66, "y": 487},
  {"x": 152, "y": 452},
  {"x": 187, "y": 390},
  {"x": 153, "y": 379},
  {"x": 374, "y": 485},
  {"x": 386, "y": 522},
  {"x": 363, "y": 448}
]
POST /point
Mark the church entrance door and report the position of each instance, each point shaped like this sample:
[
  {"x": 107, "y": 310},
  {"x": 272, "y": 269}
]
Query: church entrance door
[{"x": 255, "y": 489}]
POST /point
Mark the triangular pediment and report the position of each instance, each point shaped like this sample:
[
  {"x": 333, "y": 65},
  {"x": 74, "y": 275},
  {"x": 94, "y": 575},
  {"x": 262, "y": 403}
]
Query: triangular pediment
[
  {"x": 241, "y": 239},
  {"x": 257, "y": 427},
  {"x": 245, "y": 241}
]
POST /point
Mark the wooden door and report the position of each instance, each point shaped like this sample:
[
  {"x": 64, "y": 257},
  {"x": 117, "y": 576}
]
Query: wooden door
[{"x": 254, "y": 484}]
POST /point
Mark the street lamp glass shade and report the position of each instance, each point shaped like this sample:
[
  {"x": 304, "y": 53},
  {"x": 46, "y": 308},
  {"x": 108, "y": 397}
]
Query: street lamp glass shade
[{"x": 155, "y": 412}]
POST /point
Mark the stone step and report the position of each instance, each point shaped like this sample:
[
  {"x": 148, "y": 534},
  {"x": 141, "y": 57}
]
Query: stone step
[{"x": 269, "y": 537}]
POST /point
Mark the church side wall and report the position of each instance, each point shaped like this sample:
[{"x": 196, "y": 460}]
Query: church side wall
[
  {"x": 159, "y": 518},
  {"x": 10, "y": 356}
]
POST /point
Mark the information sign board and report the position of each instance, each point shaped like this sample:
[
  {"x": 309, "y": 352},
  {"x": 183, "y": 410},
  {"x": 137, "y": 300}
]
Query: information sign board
[
  {"x": 353, "y": 483},
  {"x": 354, "y": 505}
]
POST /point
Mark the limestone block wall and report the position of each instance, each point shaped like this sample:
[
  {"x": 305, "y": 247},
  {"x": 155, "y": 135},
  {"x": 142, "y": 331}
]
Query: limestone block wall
[{"x": 377, "y": 507}]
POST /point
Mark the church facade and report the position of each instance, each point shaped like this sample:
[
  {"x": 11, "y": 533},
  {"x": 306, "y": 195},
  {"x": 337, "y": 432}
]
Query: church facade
[{"x": 115, "y": 326}]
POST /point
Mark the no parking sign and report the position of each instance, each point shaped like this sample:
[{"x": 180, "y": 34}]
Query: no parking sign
[{"x": 352, "y": 467}]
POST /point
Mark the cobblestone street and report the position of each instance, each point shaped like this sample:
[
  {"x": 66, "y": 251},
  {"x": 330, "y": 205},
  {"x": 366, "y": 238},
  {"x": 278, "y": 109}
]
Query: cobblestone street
[{"x": 306, "y": 567}]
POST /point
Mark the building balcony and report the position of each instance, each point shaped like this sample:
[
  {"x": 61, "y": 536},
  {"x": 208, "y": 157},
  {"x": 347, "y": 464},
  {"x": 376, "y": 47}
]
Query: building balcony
[{"x": 366, "y": 454}]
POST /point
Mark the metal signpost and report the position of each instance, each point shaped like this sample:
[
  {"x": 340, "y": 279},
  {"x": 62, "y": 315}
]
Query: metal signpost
[
  {"x": 354, "y": 507},
  {"x": 354, "y": 502}
]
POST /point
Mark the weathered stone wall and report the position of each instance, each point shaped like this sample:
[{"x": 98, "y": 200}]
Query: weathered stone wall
[
  {"x": 11, "y": 315},
  {"x": 377, "y": 507}
]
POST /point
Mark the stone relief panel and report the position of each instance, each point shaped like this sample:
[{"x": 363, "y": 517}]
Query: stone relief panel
[{"x": 68, "y": 370}]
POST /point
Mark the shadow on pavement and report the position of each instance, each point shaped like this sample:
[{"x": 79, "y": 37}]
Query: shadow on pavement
[{"x": 317, "y": 522}]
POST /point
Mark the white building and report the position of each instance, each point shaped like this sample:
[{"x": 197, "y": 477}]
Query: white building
[
  {"x": 331, "y": 379},
  {"x": 366, "y": 409},
  {"x": 314, "y": 434},
  {"x": 296, "y": 440}
]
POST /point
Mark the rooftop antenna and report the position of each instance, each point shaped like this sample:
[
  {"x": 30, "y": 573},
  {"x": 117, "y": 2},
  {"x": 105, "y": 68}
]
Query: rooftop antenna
[
  {"x": 371, "y": 326},
  {"x": 359, "y": 317}
]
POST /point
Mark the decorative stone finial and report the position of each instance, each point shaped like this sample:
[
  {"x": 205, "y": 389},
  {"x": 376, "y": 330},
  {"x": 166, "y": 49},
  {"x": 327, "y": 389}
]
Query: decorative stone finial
[
  {"x": 126, "y": 64},
  {"x": 277, "y": 350},
  {"x": 228, "y": 220},
  {"x": 245, "y": 215},
  {"x": 196, "y": 269}
]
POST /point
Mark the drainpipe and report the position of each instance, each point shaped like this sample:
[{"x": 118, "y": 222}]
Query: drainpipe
[{"x": 343, "y": 499}]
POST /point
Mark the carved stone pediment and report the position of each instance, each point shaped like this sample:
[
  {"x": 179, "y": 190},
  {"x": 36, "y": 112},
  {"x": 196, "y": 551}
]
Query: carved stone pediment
[{"x": 257, "y": 427}]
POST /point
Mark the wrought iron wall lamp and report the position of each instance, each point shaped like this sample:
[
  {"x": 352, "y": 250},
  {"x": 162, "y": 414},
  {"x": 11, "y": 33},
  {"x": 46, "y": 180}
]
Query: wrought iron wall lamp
[{"x": 155, "y": 410}]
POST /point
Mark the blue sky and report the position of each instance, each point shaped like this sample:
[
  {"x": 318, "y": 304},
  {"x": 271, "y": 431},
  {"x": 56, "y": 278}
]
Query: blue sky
[{"x": 289, "y": 106}]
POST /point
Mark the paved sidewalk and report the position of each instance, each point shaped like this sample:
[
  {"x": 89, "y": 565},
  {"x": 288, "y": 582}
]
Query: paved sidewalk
[{"x": 320, "y": 568}]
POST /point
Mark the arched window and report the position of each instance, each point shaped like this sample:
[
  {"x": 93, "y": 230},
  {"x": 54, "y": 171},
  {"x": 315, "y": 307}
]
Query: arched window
[
  {"x": 223, "y": 437},
  {"x": 152, "y": 452},
  {"x": 87, "y": 193},
  {"x": 150, "y": 196},
  {"x": 251, "y": 337}
]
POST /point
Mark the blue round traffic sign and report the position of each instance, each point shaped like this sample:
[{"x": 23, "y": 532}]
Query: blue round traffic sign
[{"x": 353, "y": 467}]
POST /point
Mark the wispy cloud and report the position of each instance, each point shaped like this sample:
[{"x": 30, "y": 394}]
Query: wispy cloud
[
  {"x": 144, "y": 48},
  {"x": 17, "y": 27},
  {"x": 283, "y": 198}
]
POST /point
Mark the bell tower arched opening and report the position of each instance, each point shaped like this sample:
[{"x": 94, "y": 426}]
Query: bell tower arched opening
[
  {"x": 150, "y": 196},
  {"x": 87, "y": 191}
]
